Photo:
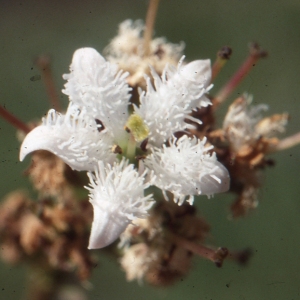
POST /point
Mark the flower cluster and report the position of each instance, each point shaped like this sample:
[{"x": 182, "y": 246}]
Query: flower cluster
[
  {"x": 141, "y": 122},
  {"x": 91, "y": 137}
]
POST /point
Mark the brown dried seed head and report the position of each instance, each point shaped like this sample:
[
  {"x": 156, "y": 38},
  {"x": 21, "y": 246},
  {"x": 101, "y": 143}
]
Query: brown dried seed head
[
  {"x": 48, "y": 174},
  {"x": 32, "y": 233}
]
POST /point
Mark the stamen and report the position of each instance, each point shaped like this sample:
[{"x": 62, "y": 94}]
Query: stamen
[
  {"x": 255, "y": 54},
  {"x": 43, "y": 63},
  {"x": 150, "y": 20},
  {"x": 216, "y": 256},
  {"x": 222, "y": 57},
  {"x": 143, "y": 145},
  {"x": 100, "y": 126},
  {"x": 117, "y": 149},
  {"x": 6, "y": 115}
]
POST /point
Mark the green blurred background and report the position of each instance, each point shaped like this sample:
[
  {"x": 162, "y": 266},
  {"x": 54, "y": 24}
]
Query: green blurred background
[{"x": 29, "y": 28}]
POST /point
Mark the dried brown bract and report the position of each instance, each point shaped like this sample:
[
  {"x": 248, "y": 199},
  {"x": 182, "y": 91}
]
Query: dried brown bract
[
  {"x": 51, "y": 176},
  {"x": 46, "y": 233},
  {"x": 150, "y": 250}
]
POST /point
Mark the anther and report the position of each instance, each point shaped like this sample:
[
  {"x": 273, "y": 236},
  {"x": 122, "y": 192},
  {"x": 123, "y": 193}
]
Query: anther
[
  {"x": 100, "y": 125},
  {"x": 144, "y": 144}
]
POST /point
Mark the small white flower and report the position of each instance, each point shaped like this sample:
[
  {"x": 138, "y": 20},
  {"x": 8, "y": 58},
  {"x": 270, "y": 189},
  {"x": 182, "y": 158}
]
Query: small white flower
[
  {"x": 94, "y": 122},
  {"x": 175, "y": 95},
  {"x": 117, "y": 196},
  {"x": 186, "y": 168}
]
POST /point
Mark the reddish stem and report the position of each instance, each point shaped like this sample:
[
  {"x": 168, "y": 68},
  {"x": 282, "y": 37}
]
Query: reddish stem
[
  {"x": 235, "y": 80},
  {"x": 10, "y": 118},
  {"x": 43, "y": 62},
  {"x": 216, "y": 256}
]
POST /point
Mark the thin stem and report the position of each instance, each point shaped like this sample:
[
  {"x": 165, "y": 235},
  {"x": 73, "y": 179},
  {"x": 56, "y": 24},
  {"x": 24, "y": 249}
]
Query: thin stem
[
  {"x": 286, "y": 143},
  {"x": 150, "y": 20},
  {"x": 43, "y": 63},
  {"x": 222, "y": 57},
  {"x": 235, "y": 80},
  {"x": 216, "y": 256},
  {"x": 10, "y": 118}
]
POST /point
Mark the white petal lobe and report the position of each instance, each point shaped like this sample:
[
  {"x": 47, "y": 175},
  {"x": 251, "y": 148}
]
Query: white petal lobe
[
  {"x": 74, "y": 137},
  {"x": 98, "y": 86},
  {"x": 172, "y": 98},
  {"x": 117, "y": 196},
  {"x": 186, "y": 168}
]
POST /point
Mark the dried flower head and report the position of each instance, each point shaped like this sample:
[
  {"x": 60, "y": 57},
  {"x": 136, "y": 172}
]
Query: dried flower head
[
  {"x": 128, "y": 51},
  {"x": 249, "y": 138},
  {"x": 46, "y": 234},
  {"x": 152, "y": 250},
  {"x": 50, "y": 175}
]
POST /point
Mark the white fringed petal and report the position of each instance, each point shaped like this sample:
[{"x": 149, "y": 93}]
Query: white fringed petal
[
  {"x": 172, "y": 98},
  {"x": 98, "y": 86},
  {"x": 198, "y": 72},
  {"x": 75, "y": 138},
  {"x": 117, "y": 196},
  {"x": 186, "y": 168}
]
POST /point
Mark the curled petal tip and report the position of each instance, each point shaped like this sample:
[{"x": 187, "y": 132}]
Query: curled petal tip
[
  {"x": 22, "y": 154},
  {"x": 36, "y": 139}
]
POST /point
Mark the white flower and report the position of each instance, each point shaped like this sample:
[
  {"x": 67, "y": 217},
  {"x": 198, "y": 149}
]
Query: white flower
[
  {"x": 186, "y": 168},
  {"x": 117, "y": 196},
  {"x": 94, "y": 124},
  {"x": 176, "y": 94}
]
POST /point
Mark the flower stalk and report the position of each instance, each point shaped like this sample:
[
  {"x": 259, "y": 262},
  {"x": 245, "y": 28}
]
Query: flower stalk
[
  {"x": 222, "y": 57},
  {"x": 44, "y": 64},
  {"x": 255, "y": 54},
  {"x": 150, "y": 21},
  {"x": 216, "y": 256},
  {"x": 14, "y": 121}
]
